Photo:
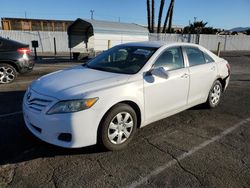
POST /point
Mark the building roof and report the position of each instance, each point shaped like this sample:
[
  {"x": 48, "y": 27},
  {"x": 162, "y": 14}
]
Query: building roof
[
  {"x": 33, "y": 19},
  {"x": 108, "y": 27}
]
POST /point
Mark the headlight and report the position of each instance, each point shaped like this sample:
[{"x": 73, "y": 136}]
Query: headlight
[{"x": 72, "y": 106}]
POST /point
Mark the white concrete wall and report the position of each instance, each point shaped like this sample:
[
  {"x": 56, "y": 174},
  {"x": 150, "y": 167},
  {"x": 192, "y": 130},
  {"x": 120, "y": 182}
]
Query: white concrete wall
[
  {"x": 172, "y": 37},
  {"x": 45, "y": 39},
  {"x": 228, "y": 42},
  {"x": 100, "y": 41}
]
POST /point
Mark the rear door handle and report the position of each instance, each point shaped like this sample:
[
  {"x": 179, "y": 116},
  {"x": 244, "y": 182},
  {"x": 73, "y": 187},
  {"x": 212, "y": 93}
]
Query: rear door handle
[{"x": 185, "y": 75}]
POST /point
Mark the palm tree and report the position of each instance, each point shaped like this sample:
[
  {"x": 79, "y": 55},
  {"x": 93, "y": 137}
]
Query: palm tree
[
  {"x": 170, "y": 17},
  {"x": 196, "y": 27},
  {"x": 149, "y": 15},
  {"x": 160, "y": 15},
  {"x": 167, "y": 16},
  {"x": 153, "y": 17}
]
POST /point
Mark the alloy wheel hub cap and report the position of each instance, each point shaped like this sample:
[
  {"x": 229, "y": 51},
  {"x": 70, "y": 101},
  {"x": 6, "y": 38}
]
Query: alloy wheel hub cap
[
  {"x": 6, "y": 75},
  {"x": 120, "y": 128}
]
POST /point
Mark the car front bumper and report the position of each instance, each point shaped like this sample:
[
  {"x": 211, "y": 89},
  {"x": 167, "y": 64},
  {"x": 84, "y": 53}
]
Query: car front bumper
[
  {"x": 69, "y": 130},
  {"x": 25, "y": 65}
]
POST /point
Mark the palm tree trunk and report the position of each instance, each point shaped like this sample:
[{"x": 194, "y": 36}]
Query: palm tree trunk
[
  {"x": 149, "y": 15},
  {"x": 160, "y": 16},
  {"x": 153, "y": 16},
  {"x": 171, "y": 17},
  {"x": 167, "y": 16}
]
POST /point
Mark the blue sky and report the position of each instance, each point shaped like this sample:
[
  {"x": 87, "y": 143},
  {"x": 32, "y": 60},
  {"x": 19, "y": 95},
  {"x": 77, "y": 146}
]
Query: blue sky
[{"x": 218, "y": 13}]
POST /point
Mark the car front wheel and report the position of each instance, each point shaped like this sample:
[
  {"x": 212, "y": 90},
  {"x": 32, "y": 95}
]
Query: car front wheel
[
  {"x": 214, "y": 95},
  {"x": 118, "y": 127},
  {"x": 7, "y": 73}
]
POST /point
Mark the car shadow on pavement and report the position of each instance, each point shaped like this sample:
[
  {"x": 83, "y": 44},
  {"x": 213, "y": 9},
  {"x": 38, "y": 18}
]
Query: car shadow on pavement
[
  {"x": 17, "y": 144},
  {"x": 21, "y": 146},
  {"x": 199, "y": 107}
]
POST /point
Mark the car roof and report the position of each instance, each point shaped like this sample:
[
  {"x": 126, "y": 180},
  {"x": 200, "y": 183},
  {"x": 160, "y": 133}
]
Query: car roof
[
  {"x": 154, "y": 44},
  {"x": 158, "y": 44},
  {"x": 165, "y": 44}
]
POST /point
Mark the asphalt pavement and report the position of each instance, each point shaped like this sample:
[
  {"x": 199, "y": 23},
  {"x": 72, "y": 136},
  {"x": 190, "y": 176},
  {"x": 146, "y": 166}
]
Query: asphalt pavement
[{"x": 196, "y": 148}]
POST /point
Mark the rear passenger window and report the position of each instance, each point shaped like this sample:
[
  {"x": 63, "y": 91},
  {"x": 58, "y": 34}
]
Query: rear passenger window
[
  {"x": 195, "y": 56},
  {"x": 208, "y": 59},
  {"x": 170, "y": 59}
]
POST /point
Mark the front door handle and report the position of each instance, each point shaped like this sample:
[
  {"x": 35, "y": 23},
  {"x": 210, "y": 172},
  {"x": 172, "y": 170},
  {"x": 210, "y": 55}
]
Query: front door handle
[
  {"x": 213, "y": 68},
  {"x": 185, "y": 75}
]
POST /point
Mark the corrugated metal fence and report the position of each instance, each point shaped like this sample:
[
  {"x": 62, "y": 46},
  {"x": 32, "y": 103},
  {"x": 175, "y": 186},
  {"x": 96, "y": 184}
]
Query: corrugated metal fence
[{"x": 46, "y": 40}]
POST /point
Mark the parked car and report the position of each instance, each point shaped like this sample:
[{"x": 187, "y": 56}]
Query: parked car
[
  {"x": 126, "y": 87},
  {"x": 14, "y": 58}
]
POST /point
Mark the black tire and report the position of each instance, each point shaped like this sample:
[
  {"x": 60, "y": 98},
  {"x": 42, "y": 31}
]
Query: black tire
[
  {"x": 7, "y": 73},
  {"x": 214, "y": 95},
  {"x": 106, "y": 131}
]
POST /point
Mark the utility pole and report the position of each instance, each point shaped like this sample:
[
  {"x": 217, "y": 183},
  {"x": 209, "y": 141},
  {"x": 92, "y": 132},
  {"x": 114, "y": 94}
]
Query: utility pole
[
  {"x": 92, "y": 14},
  {"x": 25, "y": 14},
  {"x": 195, "y": 18}
]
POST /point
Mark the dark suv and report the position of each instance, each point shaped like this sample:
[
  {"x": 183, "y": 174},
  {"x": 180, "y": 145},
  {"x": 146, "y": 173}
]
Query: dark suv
[{"x": 14, "y": 58}]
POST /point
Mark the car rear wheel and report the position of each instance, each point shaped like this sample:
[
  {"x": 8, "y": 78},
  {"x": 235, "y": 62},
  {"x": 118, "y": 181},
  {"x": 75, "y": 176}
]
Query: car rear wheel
[
  {"x": 118, "y": 127},
  {"x": 214, "y": 95},
  {"x": 7, "y": 73}
]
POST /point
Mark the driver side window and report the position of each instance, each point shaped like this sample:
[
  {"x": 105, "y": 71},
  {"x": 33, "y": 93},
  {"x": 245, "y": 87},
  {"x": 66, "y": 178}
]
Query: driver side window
[
  {"x": 120, "y": 55},
  {"x": 171, "y": 59}
]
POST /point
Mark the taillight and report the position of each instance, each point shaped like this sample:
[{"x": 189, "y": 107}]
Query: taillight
[
  {"x": 228, "y": 68},
  {"x": 23, "y": 50}
]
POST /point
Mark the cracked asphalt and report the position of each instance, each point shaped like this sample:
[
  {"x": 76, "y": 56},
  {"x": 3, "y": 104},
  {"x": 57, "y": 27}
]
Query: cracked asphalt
[{"x": 155, "y": 154}]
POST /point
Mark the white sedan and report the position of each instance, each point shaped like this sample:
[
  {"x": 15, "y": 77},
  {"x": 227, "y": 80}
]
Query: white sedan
[{"x": 125, "y": 88}]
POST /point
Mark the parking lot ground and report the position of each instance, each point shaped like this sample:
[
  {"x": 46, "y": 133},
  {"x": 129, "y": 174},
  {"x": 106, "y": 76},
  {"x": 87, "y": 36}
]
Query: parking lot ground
[{"x": 195, "y": 148}]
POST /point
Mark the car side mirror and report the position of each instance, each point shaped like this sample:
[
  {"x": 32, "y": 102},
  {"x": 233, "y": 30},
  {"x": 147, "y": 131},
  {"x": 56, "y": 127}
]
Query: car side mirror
[{"x": 159, "y": 72}]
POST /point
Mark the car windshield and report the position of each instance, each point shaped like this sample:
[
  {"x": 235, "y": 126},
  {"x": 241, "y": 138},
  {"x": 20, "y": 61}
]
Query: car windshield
[{"x": 122, "y": 59}]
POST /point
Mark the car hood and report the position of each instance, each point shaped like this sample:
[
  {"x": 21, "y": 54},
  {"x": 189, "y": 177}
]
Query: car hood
[{"x": 76, "y": 82}]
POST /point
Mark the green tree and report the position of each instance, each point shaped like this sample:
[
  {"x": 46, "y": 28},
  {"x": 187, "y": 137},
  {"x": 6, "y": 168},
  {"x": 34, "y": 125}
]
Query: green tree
[{"x": 199, "y": 27}]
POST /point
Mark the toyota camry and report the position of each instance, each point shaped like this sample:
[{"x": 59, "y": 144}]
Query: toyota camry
[{"x": 121, "y": 90}]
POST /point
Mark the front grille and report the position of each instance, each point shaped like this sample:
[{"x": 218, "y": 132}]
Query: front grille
[{"x": 37, "y": 102}]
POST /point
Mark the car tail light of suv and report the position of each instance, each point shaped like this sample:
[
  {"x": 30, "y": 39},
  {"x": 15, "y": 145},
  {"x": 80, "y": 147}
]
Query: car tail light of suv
[{"x": 23, "y": 50}]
